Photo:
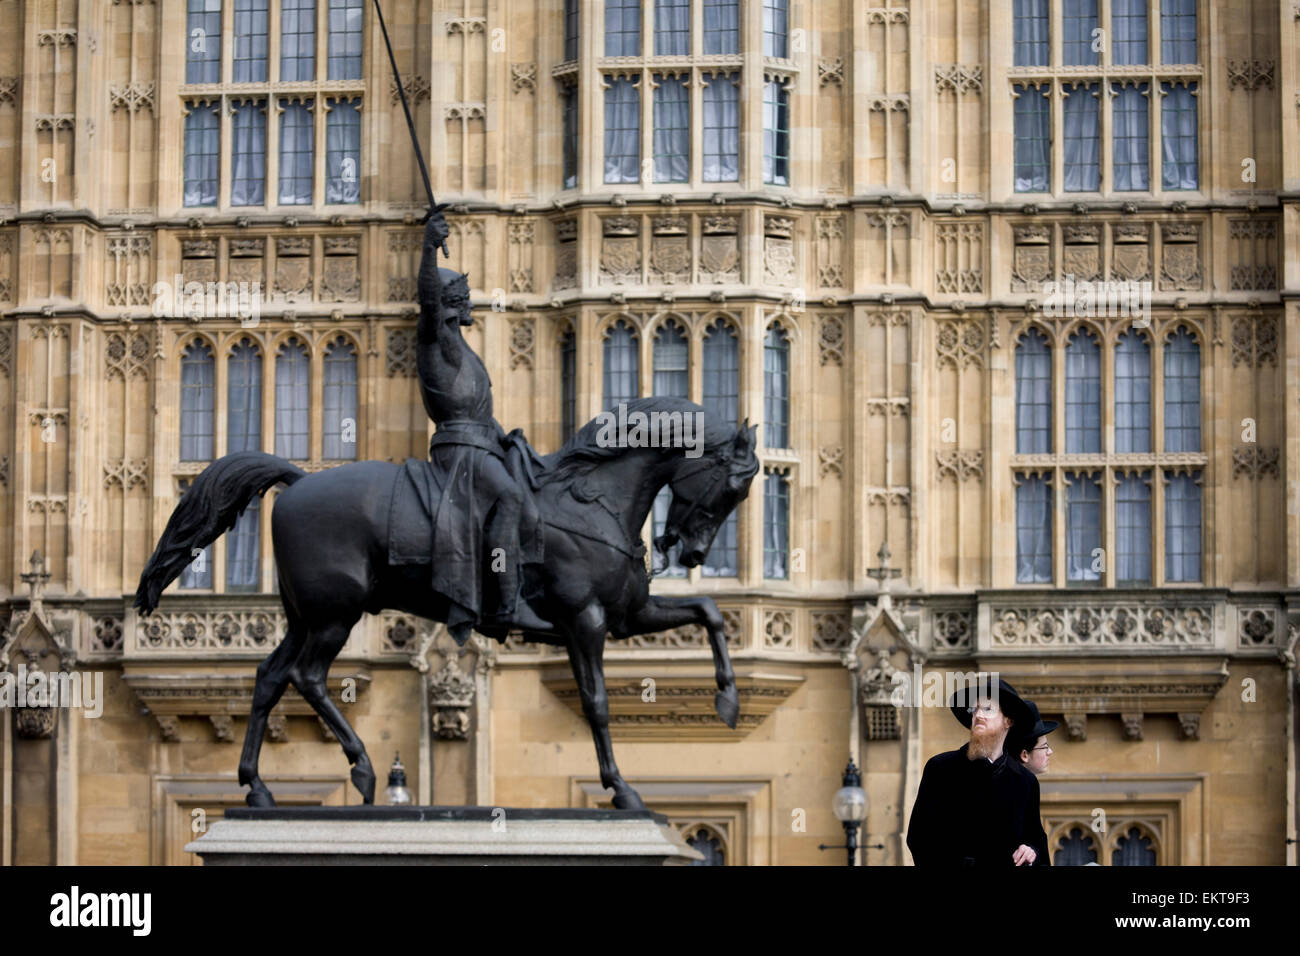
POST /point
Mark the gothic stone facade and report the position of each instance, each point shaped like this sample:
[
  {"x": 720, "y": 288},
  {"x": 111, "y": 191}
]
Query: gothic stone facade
[{"x": 881, "y": 230}]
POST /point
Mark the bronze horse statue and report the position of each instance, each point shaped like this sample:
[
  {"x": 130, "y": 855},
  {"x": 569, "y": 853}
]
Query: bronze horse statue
[{"x": 332, "y": 532}]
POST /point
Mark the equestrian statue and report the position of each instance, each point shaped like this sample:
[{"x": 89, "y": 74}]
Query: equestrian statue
[{"x": 484, "y": 535}]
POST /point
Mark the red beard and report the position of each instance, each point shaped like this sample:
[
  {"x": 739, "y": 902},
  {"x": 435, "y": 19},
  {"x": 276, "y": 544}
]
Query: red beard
[{"x": 983, "y": 743}]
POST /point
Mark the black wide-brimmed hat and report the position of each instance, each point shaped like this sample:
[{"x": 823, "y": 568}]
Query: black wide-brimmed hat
[
  {"x": 1027, "y": 739},
  {"x": 963, "y": 702}
]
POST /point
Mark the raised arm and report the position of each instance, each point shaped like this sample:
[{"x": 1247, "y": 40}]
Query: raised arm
[{"x": 429, "y": 286}]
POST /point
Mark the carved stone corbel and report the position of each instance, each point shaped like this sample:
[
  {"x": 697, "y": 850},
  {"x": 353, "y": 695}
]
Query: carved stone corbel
[
  {"x": 1132, "y": 726},
  {"x": 451, "y": 694},
  {"x": 1076, "y": 726},
  {"x": 1191, "y": 725}
]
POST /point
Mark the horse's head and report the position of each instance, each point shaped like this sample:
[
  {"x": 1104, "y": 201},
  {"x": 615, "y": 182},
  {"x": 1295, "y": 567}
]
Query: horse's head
[{"x": 706, "y": 490}]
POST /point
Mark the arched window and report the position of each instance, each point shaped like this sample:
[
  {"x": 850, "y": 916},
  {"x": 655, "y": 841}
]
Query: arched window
[
  {"x": 722, "y": 372},
  {"x": 1033, "y": 394},
  {"x": 198, "y": 407},
  {"x": 709, "y": 842},
  {"x": 622, "y": 374},
  {"x": 1075, "y": 849},
  {"x": 1083, "y": 394},
  {"x": 1132, "y": 393},
  {"x": 243, "y": 549},
  {"x": 671, "y": 361},
  {"x": 776, "y": 526},
  {"x": 292, "y": 396},
  {"x": 722, "y": 398},
  {"x": 776, "y": 388},
  {"x": 568, "y": 384},
  {"x": 1182, "y": 392},
  {"x": 339, "y": 420},
  {"x": 244, "y": 398},
  {"x": 1133, "y": 849}
]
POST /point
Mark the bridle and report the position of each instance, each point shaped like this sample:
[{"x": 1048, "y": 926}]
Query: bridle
[{"x": 722, "y": 469}]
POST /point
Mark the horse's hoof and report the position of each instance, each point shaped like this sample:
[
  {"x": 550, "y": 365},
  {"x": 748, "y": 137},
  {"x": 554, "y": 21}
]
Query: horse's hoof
[
  {"x": 259, "y": 796},
  {"x": 629, "y": 800},
  {"x": 727, "y": 704},
  {"x": 363, "y": 778}
]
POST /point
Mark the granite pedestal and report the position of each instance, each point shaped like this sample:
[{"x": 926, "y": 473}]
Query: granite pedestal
[{"x": 441, "y": 836}]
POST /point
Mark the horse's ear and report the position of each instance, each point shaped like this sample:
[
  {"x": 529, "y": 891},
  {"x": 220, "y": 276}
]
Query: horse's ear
[{"x": 744, "y": 440}]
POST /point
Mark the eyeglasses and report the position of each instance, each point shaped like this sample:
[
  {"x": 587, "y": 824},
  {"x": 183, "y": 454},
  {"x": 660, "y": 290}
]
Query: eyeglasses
[{"x": 1047, "y": 747}]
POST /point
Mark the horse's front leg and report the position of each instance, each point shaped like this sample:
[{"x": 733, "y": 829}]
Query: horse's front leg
[
  {"x": 586, "y": 647},
  {"x": 661, "y": 613}
]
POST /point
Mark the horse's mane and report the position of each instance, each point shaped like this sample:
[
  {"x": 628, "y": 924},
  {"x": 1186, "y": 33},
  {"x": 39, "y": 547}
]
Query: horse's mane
[{"x": 582, "y": 452}]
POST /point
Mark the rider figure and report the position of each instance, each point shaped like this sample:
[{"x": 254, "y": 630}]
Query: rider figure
[{"x": 486, "y": 484}]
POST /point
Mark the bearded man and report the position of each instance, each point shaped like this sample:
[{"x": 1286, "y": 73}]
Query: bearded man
[{"x": 973, "y": 802}]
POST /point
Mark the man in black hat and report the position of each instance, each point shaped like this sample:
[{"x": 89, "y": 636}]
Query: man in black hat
[
  {"x": 973, "y": 802},
  {"x": 1032, "y": 751}
]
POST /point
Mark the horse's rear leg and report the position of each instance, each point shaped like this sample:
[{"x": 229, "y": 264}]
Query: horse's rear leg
[
  {"x": 272, "y": 679},
  {"x": 309, "y": 676}
]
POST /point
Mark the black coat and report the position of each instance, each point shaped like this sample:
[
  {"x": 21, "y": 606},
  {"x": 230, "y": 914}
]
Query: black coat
[{"x": 975, "y": 812}]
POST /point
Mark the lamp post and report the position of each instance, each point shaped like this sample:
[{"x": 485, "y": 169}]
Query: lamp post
[
  {"x": 850, "y": 807},
  {"x": 397, "y": 793}
]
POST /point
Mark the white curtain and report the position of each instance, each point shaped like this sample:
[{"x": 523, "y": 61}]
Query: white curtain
[
  {"x": 622, "y": 27},
  {"x": 197, "y": 405},
  {"x": 1132, "y": 134},
  {"x": 721, "y": 130},
  {"x": 291, "y": 402},
  {"x": 1132, "y": 394},
  {"x": 622, "y": 132},
  {"x": 672, "y": 27},
  {"x": 243, "y": 549},
  {"x": 244, "y": 398},
  {"x": 344, "y": 48},
  {"x": 1030, "y": 32},
  {"x": 340, "y": 402},
  {"x": 250, "y": 41},
  {"x": 297, "y": 150},
  {"x": 1178, "y": 31},
  {"x": 1182, "y": 529},
  {"x": 203, "y": 49},
  {"x": 1083, "y": 527},
  {"x": 1182, "y": 393},
  {"x": 202, "y": 155},
  {"x": 721, "y": 26},
  {"x": 1133, "y": 529},
  {"x": 1082, "y": 395},
  {"x": 721, "y": 373},
  {"x": 1179, "y": 136},
  {"x": 1033, "y": 121},
  {"x": 248, "y": 159},
  {"x": 1078, "y": 20},
  {"x": 1033, "y": 531},
  {"x": 1082, "y": 139},
  {"x": 1033, "y": 395},
  {"x": 776, "y": 28},
  {"x": 1129, "y": 25},
  {"x": 672, "y": 131},
  {"x": 343, "y": 152},
  {"x": 297, "y": 40},
  {"x": 776, "y": 524},
  {"x": 671, "y": 375},
  {"x": 776, "y": 390},
  {"x": 621, "y": 375}
]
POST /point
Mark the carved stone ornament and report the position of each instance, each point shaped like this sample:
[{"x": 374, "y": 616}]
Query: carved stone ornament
[{"x": 451, "y": 694}]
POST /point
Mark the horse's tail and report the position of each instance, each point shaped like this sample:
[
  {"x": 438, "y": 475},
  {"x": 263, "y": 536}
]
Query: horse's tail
[{"x": 209, "y": 508}]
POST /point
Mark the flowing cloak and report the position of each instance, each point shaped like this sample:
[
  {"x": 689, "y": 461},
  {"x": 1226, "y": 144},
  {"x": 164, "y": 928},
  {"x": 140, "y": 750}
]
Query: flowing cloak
[{"x": 973, "y": 812}]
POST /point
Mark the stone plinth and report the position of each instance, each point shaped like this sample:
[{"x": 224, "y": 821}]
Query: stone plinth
[{"x": 441, "y": 836}]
